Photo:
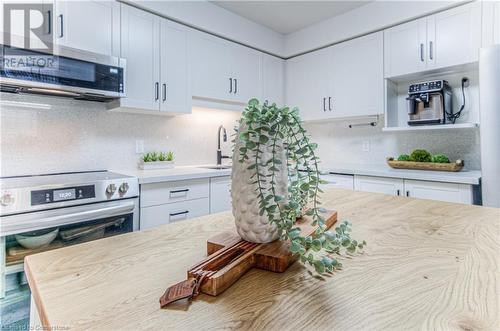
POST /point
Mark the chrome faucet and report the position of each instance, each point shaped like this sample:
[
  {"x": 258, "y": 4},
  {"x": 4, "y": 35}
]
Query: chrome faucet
[{"x": 219, "y": 152}]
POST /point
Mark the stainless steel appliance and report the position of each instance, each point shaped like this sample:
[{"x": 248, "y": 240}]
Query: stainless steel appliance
[
  {"x": 74, "y": 203},
  {"x": 429, "y": 102},
  {"x": 67, "y": 73}
]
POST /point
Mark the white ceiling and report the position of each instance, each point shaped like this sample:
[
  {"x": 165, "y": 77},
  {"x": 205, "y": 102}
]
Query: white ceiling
[{"x": 288, "y": 16}]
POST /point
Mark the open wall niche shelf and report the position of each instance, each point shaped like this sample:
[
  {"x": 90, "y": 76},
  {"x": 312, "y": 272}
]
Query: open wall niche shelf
[{"x": 396, "y": 92}]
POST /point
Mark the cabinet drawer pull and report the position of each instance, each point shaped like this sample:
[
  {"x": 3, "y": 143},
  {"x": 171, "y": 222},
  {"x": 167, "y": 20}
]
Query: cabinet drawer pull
[
  {"x": 179, "y": 193},
  {"x": 49, "y": 22},
  {"x": 61, "y": 26},
  {"x": 431, "y": 50},
  {"x": 230, "y": 85},
  {"x": 398, "y": 192},
  {"x": 179, "y": 213},
  {"x": 422, "y": 53},
  {"x": 407, "y": 193}
]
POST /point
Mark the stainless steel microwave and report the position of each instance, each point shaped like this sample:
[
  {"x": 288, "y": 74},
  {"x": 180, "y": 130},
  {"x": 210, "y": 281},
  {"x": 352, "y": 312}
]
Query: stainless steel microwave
[{"x": 66, "y": 73}]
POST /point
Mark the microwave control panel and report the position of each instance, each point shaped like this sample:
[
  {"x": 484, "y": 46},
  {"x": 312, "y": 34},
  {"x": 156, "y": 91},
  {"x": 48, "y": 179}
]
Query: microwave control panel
[{"x": 42, "y": 197}]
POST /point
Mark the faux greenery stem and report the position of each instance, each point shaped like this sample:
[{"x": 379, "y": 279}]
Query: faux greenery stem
[{"x": 264, "y": 126}]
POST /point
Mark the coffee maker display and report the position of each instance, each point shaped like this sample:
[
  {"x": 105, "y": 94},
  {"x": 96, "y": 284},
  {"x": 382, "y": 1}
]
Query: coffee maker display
[{"x": 429, "y": 103}]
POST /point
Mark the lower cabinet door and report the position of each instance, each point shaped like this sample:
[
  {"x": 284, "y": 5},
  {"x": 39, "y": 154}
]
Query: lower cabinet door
[
  {"x": 338, "y": 181},
  {"x": 449, "y": 192},
  {"x": 172, "y": 212},
  {"x": 220, "y": 194},
  {"x": 391, "y": 186}
]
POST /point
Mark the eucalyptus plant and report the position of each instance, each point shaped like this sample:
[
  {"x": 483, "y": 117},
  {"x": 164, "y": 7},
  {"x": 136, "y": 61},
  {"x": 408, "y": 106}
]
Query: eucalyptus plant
[{"x": 266, "y": 126}]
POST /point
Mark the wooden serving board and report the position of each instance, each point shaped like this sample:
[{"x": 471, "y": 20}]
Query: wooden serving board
[
  {"x": 456, "y": 166},
  {"x": 236, "y": 256}
]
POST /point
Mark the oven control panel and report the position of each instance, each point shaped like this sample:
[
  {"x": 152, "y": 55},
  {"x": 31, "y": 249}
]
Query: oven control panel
[{"x": 41, "y": 197}]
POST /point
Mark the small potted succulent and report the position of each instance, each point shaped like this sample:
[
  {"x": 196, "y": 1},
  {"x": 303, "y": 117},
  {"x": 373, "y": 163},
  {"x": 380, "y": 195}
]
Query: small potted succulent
[{"x": 157, "y": 160}]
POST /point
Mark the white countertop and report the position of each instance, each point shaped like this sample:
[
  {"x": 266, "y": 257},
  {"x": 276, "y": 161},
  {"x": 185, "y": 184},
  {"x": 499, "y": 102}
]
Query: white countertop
[
  {"x": 471, "y": 177},
  {"x": 462, "y": 177},
  {"x": 177, "y": 173}
]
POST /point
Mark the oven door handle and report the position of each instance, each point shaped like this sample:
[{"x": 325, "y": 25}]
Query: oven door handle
[{"x": 41, "y": 222}]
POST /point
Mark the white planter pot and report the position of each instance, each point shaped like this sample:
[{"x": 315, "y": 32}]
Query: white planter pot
[
  {"x": 250, "y": 225},
  {"x": 156, "y": 165}
]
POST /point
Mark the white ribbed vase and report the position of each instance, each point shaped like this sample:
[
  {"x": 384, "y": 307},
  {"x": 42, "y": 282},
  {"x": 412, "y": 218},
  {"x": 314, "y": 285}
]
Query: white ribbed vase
[{"x": 250, "y": 225}]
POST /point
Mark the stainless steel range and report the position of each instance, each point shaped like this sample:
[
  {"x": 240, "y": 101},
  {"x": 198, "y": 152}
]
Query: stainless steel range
[{"x": 44, "y": 212}]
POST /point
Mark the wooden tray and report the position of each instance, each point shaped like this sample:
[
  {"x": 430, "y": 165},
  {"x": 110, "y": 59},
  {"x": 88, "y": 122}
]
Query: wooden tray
[{"x": 456, "y": 166}]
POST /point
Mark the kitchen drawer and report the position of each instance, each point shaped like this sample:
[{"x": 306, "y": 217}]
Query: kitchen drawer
[
  {"x": 168, "y": 192},
  {"x": 339, "y": 181},
  {"x": 173, "y": 212}
]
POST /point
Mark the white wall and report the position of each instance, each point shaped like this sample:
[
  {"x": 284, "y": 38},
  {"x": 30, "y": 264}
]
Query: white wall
[
  {"x": 67, "y": 135},
  {"x": 209, "y": 17},
  {"x": 340, "y": 146},
  {"x": 368, "y": 18}
]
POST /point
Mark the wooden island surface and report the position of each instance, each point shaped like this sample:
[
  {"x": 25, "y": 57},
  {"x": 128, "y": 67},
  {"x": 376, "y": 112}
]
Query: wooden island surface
[{"x": 428, "y": 266}]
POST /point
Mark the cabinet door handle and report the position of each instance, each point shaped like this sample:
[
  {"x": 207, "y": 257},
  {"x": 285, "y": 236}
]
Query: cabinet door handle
[
  {"x": 164, "y": 92},
  {"x": 61, "y": 26},
  {"x": 422, "y": 52},
  {"x": 49, "y": 22},
  {"x": 157, "y": 86},
  {"x": 407, "y": 193},
  {"x": 230, "y": 85},
  {"x": 324, "y": 105},
  {"x": 330, "y": 103},
  {"x": 398, "y": 192},
  {"x": 431, "y": 50},
  {"x": 178, "y": 216},
  {"x": 235, "y": 86}
]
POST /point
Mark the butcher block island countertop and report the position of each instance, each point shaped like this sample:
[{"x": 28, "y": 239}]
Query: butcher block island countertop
[{"x": 428, "y": 266}]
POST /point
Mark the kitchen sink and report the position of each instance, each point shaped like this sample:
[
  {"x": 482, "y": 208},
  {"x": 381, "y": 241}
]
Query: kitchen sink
[{"x": 217, "y": 167}]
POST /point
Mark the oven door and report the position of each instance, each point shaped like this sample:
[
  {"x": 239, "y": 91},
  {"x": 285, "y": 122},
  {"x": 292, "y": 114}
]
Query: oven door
[{"x": 20, "y": 223}]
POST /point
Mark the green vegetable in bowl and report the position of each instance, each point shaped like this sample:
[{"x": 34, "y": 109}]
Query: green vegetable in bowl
[
  {"x": 404, "y": 157},
  {"x": 420, "y": 155},
  {"x": 440, "y": 158}
]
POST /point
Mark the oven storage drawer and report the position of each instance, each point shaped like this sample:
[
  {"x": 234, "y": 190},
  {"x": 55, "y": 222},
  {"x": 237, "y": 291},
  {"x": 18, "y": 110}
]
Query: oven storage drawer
[
  {"x": 173, "y": 212},
  {"x": 168, "y": 192}
]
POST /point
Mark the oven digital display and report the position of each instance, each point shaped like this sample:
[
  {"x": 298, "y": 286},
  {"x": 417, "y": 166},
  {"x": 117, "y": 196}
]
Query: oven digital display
[{"x": 61, "y": 195}]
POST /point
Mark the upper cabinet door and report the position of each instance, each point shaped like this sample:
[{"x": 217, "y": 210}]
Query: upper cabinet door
[
  {"x": 358, "y": 66},
  {"x": 88, "y": 25},
  {"x": 140, "y": 47},
  {"x": 454, "y": 36},
  {"x": 175, "y": 85},
  {"x": 210, "y": 67},
  {"x": 246, "y": 74},
  {"x": 273, "y": 79},
  {"x": 308, "y": 84},
  {"x": 405, "y": 48}
]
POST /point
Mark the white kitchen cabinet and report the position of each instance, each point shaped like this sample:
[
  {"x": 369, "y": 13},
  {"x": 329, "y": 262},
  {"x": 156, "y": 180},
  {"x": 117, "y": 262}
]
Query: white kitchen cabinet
[
  {"x": 88, "y": 25},
  {"x": 491, "y": 23},
  {"x": 157, "y": 66},
  {"x": 391, "y": 186},
  {"x": 222, "y": 71},
  {"x": 338, "y": 181},
  {"x": 175, "y": 85},
  {"x": 140, "y": 33},
  {"x": 405, "y": 48},
  {"x": 220, "y": 194},
  {"x": 173, "y": 212},
  {"x": 308, "y": 84},
  {"x": 358, "y": 66},
  {"x": 321, "y": 83},
  {"x": 273, "y": 79},
  {"x": 445, "y": 39},
  {"x": 167, "y": 192},
  {"x": 449, "y": 192}
]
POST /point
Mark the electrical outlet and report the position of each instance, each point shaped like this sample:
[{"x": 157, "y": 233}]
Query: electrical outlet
[
  {"x": 139, "y": 146},
  {"x": 366, "y": 145}
]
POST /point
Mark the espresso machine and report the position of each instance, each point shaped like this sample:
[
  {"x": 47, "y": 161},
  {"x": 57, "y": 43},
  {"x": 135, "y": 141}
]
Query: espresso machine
[{"x": 429, "y": 102}]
